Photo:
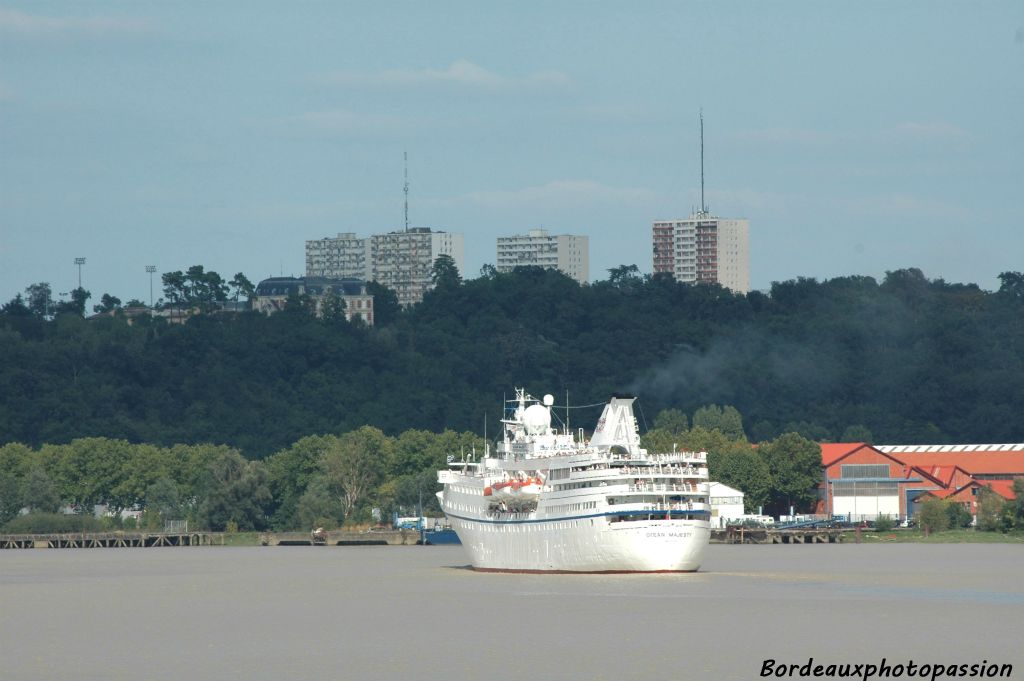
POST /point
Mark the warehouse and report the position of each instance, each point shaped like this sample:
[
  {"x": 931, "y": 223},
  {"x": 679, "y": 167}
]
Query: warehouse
[{"x": 862, "y": 482}]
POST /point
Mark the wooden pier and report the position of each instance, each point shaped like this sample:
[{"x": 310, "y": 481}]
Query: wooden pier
[
  {"x": 764, "y": 535},
  {"x": 107, "y": 540},
  {"x": 343, "y": 538}
]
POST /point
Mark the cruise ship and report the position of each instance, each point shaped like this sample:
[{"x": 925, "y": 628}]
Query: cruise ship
[{"x": 551, "y": 501}]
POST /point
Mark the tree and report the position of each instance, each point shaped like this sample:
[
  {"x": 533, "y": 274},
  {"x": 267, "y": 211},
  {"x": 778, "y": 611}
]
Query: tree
[
  {"x": 196, "y": 285},
  {"x": 162, "y": 499},
  {"x": 10, "y": 496},
  {"x": 990, "y": 510},
  {"x": 884, "y": 523},
  {"x": 13, "y": 458},
  {"x": 933, "y": 516},
  {"x": 1012, "y": 284},
  {"x": 794, "y": 463},
  {"x": 317, "y": 507},
  {"x": 386, "y": 307},
  {"x": 334, "y": 308},
  {"x": 216, "y": 290},
  {"x": 76, "y": 305},
  {"x": 672, "y": 420},
  {"x": 444, "y": 273},
  {"x": 660, "y": 440},
  {"x": 354, "y": 464},
  {"x": 235, "y": 492},
  {"x": 16, "y": 307},
  {"x": 1016, "y": 505},
  {"x": 725, "y": 419},
  {"x": 857, "y": 433},
  {"x": 291, "y": 472},
  {"x": 175, "y": 287},
  {"x": 87, "y": 471},
  {"x": 204, "y": 288},
  {"x": 242, "y": 286},
  {"x": 959, "y": 516},
  {"x": 624, "y": 276},
  {"x": 108, "y": 303},
  {"x": 38, "y": 492},
  {"x": 743, "y": 469},
  {"x": 40, "y": 299}
]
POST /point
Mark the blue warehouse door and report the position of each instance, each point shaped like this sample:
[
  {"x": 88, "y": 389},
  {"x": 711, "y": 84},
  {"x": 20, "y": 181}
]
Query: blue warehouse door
[{"x": 912, "y": 494}]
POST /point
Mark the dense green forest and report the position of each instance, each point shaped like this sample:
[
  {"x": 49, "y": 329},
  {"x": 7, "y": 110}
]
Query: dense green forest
[
  {"x": 904, "y": 360},
  {"x": 291, "y": 421}
]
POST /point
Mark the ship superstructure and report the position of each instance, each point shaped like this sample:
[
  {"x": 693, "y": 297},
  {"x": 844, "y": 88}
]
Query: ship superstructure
[{"x": 550, "y": 501}]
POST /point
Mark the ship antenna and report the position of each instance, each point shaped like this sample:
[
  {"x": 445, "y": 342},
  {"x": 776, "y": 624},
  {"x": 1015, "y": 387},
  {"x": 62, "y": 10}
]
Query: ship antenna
[{"x": 405, "y": 188}]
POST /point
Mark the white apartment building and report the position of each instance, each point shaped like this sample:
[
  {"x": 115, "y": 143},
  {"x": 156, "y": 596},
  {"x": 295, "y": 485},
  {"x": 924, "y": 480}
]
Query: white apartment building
[
  {"x": 403, "y": 260},
  {"x": 342, "y": 257},
  {"x": 567, "y": 253},
  {"x": 704, "y": 249}
]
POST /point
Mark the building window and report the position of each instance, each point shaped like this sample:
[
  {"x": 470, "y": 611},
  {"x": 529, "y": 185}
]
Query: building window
[{"x": 865, "y": 470}]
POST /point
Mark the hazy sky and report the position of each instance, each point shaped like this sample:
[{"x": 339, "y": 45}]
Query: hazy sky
[{"x": 857, "y": 137}]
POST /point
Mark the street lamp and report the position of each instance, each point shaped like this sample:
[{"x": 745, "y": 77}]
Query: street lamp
[
  {"x": 79, "y": 262},
  {"x": 151, "y": 269}
]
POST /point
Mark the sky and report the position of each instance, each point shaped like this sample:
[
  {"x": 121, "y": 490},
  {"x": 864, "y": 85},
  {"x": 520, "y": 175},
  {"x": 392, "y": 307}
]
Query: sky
[{"x": 857, "y": 137}]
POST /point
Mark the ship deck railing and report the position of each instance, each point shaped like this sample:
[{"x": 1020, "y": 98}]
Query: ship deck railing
[
  {"x": 686, "y": 471},
  {"x": 666, "y": 457},
  {"x": 655, "y": 508},
  {"x": 692, "y": 489}
]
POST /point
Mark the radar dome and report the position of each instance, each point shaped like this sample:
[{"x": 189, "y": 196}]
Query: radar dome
[
  {"x": 549, "y": 400},
  {"x": 536, "y": 419}
]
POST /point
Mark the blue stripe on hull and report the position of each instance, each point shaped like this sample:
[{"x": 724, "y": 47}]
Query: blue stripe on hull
[{"x": 577, "y": 517}]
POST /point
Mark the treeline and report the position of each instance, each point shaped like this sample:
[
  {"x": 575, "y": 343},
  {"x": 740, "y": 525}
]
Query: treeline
[
  {"x": 901, "y": 361},
  {"x": 994, "y": 513},
  {"x": 327, "y": 480},
  {"x": 322, "y": 480}
]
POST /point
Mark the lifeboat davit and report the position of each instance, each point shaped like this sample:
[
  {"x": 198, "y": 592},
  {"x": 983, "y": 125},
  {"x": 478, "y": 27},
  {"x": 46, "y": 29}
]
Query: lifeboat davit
[
  {"x": 501, "y": 490},
  {"x": 530, "y": 488}
]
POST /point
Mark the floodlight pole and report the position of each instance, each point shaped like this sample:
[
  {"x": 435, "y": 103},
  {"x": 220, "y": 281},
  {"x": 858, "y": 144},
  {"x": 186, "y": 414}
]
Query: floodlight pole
[
  {"x": 79, "y": 262},
  {"x": 151, "y": 269}
]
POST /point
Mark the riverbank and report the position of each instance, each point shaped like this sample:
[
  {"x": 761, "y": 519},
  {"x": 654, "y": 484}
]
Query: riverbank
[
  {"x": 901, "y": 536},
  {"x": 915, "y": 536}
]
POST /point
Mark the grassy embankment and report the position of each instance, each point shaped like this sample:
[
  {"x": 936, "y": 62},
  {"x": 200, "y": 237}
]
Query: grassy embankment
[
  {"x": 916, "y": 536},
  {"x": 242, "y": 538}
]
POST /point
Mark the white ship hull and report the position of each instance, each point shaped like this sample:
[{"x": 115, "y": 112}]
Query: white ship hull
[
  {"x": 554, "y": 502},
  {"x": 584, "y": 545}
]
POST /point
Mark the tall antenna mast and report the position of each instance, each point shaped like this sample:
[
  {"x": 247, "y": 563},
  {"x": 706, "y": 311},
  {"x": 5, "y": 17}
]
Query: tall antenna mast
[
  {"x": 703, "y": 206},
  {"x": 405, "y": 154}
]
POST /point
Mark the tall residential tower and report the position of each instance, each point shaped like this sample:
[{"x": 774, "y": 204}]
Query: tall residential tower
[
  {"x": 704, "y": 249},
  {"x": 342, "y": 257},
  {"x": 564, "y": 252},
  {"x": 403, "y": 260}
]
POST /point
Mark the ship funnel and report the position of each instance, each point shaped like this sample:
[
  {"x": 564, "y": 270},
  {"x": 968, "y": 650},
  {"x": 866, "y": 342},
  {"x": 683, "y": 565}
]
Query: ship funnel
[{"x": 617, "y": 425}]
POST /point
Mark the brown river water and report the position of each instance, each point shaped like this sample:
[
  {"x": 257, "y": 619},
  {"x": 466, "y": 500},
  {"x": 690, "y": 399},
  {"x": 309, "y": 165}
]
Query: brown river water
[{"x": 295, "y": 613}]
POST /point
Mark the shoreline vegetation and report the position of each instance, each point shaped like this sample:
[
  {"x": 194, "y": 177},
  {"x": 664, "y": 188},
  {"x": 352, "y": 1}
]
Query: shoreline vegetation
[{"x": 240, "y": 421}]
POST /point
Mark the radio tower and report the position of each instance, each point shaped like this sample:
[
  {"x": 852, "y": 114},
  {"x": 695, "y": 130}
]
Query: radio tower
[
  {"x": 405, "y": 155},
  {"x": 703, "y": 206}
]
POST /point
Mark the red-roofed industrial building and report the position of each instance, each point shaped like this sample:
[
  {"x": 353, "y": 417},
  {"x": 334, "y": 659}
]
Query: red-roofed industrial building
[{"x": 862, "y": 482}]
